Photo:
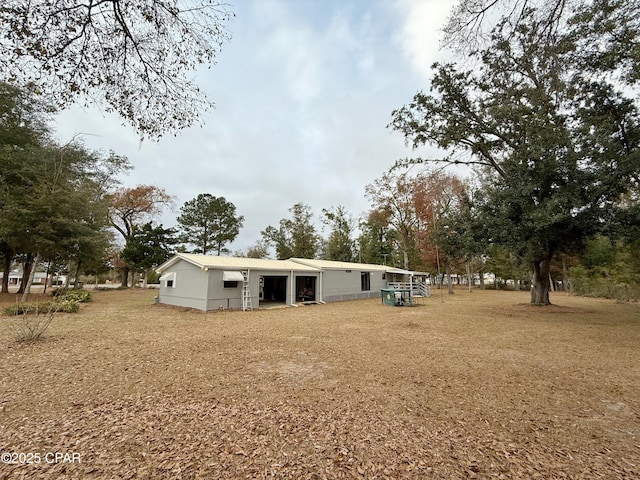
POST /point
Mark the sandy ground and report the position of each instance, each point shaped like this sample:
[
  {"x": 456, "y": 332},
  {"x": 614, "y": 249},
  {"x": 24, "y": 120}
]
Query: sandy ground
[{"x": 471, "y": 385}]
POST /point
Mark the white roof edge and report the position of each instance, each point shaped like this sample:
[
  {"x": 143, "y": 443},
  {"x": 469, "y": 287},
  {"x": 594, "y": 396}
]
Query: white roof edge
[
  {"x": 295, "y": 264},
  {"x": 399, "y": 270},
  {"x": 235, "y": 263},
  {"x": 178, "y": 256},
  {"x": 336, "y": 265}
]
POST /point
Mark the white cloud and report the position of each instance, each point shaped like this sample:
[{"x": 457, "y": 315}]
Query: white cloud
[{"x": 422, "y": 30}]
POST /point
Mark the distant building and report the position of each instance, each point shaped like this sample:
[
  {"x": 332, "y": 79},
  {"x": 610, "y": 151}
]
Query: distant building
[{"x": 39, "y": 278}]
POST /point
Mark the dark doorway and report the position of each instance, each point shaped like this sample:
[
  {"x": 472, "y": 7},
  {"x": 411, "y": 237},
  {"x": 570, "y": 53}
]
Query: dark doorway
[
  {"x": 274, "y": 289},
  {"x": 305, "y": 289}
]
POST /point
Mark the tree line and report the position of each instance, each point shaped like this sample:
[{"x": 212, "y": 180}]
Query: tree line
[{"x": 542, "y": 108}]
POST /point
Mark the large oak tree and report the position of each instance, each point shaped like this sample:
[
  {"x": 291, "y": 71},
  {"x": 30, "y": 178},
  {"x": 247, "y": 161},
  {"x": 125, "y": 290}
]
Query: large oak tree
[{"x": 557, "y": 146}]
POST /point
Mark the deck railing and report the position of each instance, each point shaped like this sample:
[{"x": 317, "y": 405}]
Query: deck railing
[{"x": 420, "y": 289}]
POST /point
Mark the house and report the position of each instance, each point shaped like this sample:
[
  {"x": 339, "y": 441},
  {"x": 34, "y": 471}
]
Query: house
[
  {"x": 209, "y": 282},
  {"x": 39, "y": 278},
  {"x": 351, "y": 281}
]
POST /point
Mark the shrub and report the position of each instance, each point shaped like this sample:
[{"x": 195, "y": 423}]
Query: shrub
[
  {"x": 77, "y": 295},
  {"x": 58, "y": 305},
  {"x": 26, "y": 308},
  {"x": 30, "y": 326},
  {"x": 579, "y": 281},
  {"x": 586, "y": 283},
  {"x": 80, "y": 296},
  {"x": 67, "y": 306}
]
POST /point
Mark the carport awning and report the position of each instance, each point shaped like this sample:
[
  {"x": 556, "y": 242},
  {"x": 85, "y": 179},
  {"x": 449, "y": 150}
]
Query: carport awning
[{"x": 232, "y": 276}]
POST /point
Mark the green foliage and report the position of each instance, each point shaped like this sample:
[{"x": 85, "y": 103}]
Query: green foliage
[
  {"x": 36, "y": 308},
  {"x": 296, "y": 236},
  {"x": 258, "y": 250},
  {"x": 376, "y": 240},
  {"x": 339, "y": 245},
  {"x": 73, "y": 295},
  {"x": 153, "y": 277},
  {"x": 557, "y": 145},
  {"x": 506, "y": 265},
  {"x": 209, "y": 223},
  {"x": 393, "y": 199},
  {"x": 599, "y": 252},
  {"x": 149, "y": 246},
  {"x": 52, "y": 197},
  {"x": 607, "y": 270},
  {"x": 587, "y": 284},
  {"x": 22, "y": 117}
]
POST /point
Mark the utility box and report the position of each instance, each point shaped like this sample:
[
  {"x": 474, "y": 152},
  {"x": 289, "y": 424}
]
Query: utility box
[{"x": 396, "y": 297}]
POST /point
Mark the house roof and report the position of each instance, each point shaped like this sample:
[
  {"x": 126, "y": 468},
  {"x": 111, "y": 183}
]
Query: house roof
[
  {"x": 334, "y": 265},
  {"x": 293, "y": 264},
  {"x": 235, "y": 263}
]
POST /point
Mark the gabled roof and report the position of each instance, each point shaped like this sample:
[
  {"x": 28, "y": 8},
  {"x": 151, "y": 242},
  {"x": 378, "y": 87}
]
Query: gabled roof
[
  {"x": 334, "y": 265},
  {"x": 235, "y": 263}
]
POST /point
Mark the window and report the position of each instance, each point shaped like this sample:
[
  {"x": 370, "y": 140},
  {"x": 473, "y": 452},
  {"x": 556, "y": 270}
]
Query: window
[
  {"x": 365, "y": 281},
  {"x": 230, "y": 279},
  {"x": 169, "y": 279}
]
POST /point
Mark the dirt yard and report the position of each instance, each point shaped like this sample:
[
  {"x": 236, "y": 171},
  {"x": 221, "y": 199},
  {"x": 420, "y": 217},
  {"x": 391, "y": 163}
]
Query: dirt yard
[{"x": 472, "y": 385}]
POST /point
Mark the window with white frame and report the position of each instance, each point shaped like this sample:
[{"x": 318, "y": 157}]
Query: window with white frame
[{"x": 169, "y": 279}]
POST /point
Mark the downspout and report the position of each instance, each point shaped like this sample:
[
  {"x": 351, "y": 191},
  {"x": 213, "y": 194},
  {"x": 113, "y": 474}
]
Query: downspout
[
  {"x": 206, "y": 289},
  {"x": 292, "y": 291},
  {"x": 321, "y": 289}
]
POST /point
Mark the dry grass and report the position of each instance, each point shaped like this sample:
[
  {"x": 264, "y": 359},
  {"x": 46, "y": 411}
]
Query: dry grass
[{"x": 473, "y": 385}]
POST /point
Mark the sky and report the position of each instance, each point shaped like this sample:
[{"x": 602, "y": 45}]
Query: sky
[{"x": 304, "y": 92}]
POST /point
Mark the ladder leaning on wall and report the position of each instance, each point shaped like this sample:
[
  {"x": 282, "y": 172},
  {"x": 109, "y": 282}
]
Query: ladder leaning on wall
[{"x": 246, "y": 292}]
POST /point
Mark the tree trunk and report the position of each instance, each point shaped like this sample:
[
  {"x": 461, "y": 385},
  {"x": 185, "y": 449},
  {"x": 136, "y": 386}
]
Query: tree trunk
[
  {"x": 76, "y": 284},
  {"x": 6, "y": 269},
  {"x": 540, "y": 286},
  {"x": 449, "y": 283},
  {"x": 124, "y": 279},
  {"x": 46, "y": 278},
  {"x": 32, "y": 274},
  {"x": 26, "y": 272}
]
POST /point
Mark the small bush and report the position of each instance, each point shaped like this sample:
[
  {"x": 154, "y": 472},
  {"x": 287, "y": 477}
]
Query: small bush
[
  {"x": 80, "y": 296},
  {"x": 67, "y": 306},
  {"x": 29, "y": 327},
  {"x": 58, "y": 305},
  {"x": 26, "y": 308}
]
